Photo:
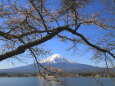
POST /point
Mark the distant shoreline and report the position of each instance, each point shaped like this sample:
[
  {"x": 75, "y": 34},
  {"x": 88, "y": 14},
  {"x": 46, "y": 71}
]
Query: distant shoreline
[
  {"x": 62, "y": 75},
  {"x": 56, "y": 77}
]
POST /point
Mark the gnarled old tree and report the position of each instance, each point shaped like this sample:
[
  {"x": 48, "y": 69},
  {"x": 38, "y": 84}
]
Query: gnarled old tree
[{"x": 26, "y": 25}]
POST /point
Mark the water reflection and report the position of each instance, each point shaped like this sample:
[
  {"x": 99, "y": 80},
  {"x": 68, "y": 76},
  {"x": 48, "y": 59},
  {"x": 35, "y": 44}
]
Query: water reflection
[
  {"x": 32, "y": 81},
  {"x": 51, "y": 82},
  {"x": 76, "y": 82}
]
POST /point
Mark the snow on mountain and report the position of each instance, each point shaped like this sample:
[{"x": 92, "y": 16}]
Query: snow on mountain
[{"x": 56, "y": 58}]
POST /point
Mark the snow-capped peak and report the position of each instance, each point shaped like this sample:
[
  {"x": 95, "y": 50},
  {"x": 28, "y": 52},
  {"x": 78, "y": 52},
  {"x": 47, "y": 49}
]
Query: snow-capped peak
[{"x": 55, "y": 59}]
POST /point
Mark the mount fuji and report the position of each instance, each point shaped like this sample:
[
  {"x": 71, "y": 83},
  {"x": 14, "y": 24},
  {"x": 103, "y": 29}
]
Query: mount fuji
[{"x": 55, "y": 61}]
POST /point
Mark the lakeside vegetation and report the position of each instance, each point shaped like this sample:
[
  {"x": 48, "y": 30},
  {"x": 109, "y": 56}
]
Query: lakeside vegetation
[{"x": 90, "y": 75}]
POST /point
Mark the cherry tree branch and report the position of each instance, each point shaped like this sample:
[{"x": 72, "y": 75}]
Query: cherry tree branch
[
  {"x": 21, "y": 49},
  {"x": 11, "y": 36},
  {"x": 90, "y": 44}
]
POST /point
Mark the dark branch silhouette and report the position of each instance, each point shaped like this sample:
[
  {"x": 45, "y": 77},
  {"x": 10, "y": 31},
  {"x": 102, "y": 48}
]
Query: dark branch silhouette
[
  {"x": 39, "y": 23},
  {"x": 21, "y": 49}
]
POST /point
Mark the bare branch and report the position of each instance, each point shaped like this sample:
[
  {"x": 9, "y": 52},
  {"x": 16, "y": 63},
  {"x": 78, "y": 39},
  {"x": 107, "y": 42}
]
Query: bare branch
[{"x": 90, "y": 44}]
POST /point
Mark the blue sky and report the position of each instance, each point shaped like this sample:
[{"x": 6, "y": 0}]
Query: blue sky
[{"x": 81, "y": 56}]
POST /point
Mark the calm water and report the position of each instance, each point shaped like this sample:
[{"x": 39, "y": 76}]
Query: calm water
[{"x": 31, "y": 81}]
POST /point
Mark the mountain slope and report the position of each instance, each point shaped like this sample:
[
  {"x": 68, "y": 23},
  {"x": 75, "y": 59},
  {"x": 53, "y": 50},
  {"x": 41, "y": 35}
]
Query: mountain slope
[
  {"x": 55, "y": 61},
  {"x": 21, "y": 70}
]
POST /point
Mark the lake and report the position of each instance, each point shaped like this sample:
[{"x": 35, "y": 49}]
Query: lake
[{"x": 34, "y": 81}]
